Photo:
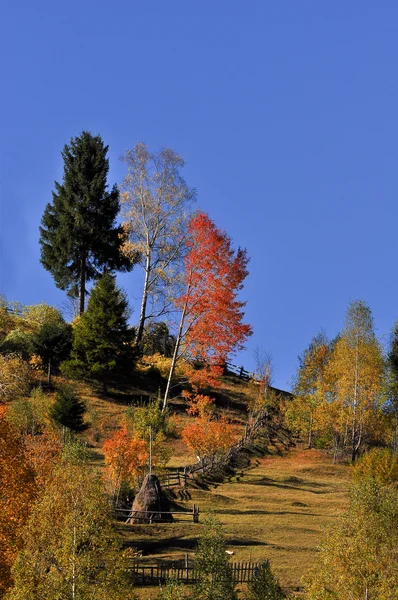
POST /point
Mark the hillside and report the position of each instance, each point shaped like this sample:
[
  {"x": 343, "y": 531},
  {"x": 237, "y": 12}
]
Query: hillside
[{"x": 274, "y": 504}]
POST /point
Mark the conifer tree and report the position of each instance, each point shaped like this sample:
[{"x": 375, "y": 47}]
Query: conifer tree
[
  {"x": 102, "y": 338},
  {"x": 78, "y": 235},
  {"x": 68, "y": 409}
]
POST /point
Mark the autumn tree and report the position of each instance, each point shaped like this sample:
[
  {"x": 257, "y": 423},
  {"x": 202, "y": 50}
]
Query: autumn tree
[
  {"x": 78, "y": 235},
  {"x": 359, "y": 555},
  {"x": 155, "y": 207},
  {"x": 101, "y": 338},
  {"x": 17, "y": 492},
  {"x": 125, "y": 459},
  {"x": 213, "y": 571},
  {"x": 207, "y": 435},
  {"x": 264, "y": 585},
  {"x": 308, "y": 387},
  {"x": 14, "y": 377},
  {"x": 210, "y": 326},
  {"x": 70, "y": 548},
  {"x": 392, "y": 364},
  {"x": 356, "y": 368}
]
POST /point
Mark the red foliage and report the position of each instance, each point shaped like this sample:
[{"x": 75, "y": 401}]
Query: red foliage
[{"x": 214, "y": 276}]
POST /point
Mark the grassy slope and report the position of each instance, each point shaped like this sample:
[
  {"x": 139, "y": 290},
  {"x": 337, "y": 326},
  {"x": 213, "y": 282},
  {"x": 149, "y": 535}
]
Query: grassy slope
[{"x": 274, "y": 509}]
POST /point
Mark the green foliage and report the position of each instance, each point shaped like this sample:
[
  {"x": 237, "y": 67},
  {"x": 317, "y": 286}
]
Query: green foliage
[
  {"x": 101, "y": 337},
  {"x": 157, "y": 338},
  {"x": 265, "y": 585},
  {"x": 53, "y": 342},
  {"x": 18, "y": 342},
  {"x": 78, "y": 235},
  {"x": 173, "y": 590},
  {"x": 359, "y": 555},
  {"x": 70, "y": 548},
  {"x": 212, "y": 566},
  {"x": 68, "y": 409},
  {"x": 140, "y": 417}
]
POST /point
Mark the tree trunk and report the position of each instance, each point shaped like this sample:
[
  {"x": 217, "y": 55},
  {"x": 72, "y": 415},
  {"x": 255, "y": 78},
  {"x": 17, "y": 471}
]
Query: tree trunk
[
  {"x": 176, "y": 350},
  {"x": 49, "y": 372},
  {"x": 82, "y": 285},
  {"x": 354, "y": 446},
  {"x": 140, "y": 328}
]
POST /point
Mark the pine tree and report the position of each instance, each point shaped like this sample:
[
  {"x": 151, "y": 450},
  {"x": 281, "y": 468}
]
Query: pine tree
[
  {"x": 68, "y": 409},
  {"x": 102, "y": 338},
  {"x": 78, "y": 236}
]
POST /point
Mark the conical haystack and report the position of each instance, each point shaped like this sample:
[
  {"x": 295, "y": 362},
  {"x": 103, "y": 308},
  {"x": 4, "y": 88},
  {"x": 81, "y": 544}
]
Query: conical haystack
[{"x": 150, "y": 504}]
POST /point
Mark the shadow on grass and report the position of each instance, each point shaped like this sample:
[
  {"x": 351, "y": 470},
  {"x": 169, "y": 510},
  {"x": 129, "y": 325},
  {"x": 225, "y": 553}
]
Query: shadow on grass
[
  {"x": 287, "y": 484},
  {"x": 265, "y": 512}
]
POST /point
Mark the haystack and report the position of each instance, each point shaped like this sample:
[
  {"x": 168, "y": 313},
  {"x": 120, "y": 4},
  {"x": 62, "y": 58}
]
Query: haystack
[{"x": 150, "y": 504}]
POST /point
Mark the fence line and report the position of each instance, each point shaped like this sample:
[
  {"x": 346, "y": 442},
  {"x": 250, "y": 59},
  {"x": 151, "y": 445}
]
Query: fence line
[
  {"x": 185, "y": 572},
  {"x": 156, "y": 515},
  {"x": 207, "y": 464}
]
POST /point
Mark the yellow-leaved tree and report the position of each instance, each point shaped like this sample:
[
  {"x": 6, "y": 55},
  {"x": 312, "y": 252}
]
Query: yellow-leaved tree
[
  {"x": 354, "y": 375},
  {"x": 301, "y": 413}
]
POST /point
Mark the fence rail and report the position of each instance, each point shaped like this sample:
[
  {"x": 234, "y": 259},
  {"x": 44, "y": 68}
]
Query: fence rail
[
  {"x": 180, "y": 477},
  {"x": 155, "y": 516},
  {"x": 185, "y": 572}
]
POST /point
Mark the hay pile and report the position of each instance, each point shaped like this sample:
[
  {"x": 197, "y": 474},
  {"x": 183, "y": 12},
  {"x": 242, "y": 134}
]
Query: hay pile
[{"x": 150, "y": 504}]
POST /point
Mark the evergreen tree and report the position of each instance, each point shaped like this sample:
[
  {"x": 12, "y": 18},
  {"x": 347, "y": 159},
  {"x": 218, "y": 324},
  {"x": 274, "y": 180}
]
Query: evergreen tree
[
  {"x": 78, "y": 236},
  {"x": 101, "y": 338},
  {"x": 68, "y": 409}
]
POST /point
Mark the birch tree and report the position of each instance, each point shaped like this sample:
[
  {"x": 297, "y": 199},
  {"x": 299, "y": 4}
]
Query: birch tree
[
  {"x": 357, "y": 368},
  {"x": 155, "y": 204}
]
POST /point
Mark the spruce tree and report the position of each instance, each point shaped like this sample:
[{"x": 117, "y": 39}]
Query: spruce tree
[
  {"x": 78, "y": 235},
  {"x": 101, "y": 338},
  {"x": 68, "y": 409}
]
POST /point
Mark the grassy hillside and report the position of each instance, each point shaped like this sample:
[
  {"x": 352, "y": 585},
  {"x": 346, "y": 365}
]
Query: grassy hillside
[{"x": 274, "y": 506}]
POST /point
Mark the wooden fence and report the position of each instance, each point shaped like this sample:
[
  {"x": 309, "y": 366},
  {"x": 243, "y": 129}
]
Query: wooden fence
[
  {"x": 181, "y": 477},
  {"x": 185, "y": 572},
  {"x": 155, "y": 516}
]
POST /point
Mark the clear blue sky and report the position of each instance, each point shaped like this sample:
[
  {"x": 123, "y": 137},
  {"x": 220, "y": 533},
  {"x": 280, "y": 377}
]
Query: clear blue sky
[{"x": 285, "y": 112}]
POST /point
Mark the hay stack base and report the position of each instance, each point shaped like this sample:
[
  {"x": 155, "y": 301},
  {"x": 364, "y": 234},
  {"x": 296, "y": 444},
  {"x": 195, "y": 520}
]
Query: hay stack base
[{"x": 150, "y": 504}]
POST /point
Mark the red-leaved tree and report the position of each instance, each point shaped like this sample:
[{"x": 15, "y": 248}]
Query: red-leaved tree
[{"x": 211, "y": 324}]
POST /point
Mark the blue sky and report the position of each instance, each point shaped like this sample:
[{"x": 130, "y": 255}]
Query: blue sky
[{"x": 285, "y": 112}]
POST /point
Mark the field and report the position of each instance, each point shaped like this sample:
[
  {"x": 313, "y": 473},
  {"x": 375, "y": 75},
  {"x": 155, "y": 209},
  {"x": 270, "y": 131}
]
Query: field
[
  {"x": 273, "y": 507},
  {"x": 276, "y": 509}
]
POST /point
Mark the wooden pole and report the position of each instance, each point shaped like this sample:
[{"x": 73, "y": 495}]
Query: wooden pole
[{"x": 150, "y": 449}]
